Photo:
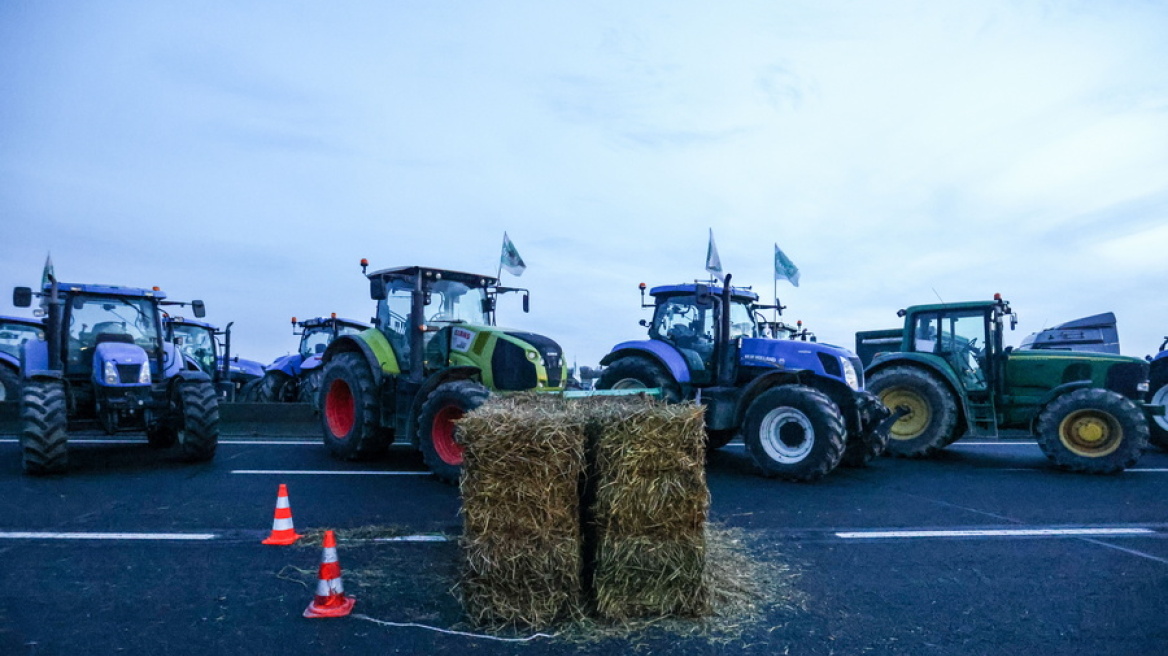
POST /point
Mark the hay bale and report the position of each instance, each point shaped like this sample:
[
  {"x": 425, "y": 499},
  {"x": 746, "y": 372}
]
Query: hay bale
[
  {"x": 523, "y": 464},
  {"x": 647, "y": 509}
]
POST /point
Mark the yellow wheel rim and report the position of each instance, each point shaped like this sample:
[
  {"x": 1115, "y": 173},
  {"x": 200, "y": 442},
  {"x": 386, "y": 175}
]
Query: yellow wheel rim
[
  {"x": 1090, "y": 433},
  {"x": 913, "y": 424}
]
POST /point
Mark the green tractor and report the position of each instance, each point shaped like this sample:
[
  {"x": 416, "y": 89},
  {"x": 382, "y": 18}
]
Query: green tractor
[
  {"x": 947, "y": 368},
  {"x": 433, "y": 354}
]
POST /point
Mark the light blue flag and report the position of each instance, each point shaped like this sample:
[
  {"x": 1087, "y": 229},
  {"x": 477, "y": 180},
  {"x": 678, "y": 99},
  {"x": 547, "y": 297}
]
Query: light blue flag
[
  {"x": 785, "y": 269},
  {"x": 510, "y": 261},
  {"x": 48, "y": 275},
  {"x": 713, "y": 262}
]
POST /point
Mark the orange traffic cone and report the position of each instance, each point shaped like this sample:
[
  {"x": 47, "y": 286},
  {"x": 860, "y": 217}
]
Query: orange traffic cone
[
  {"x": 330, "y": 600},
  {"x": 282, "y": 530}
]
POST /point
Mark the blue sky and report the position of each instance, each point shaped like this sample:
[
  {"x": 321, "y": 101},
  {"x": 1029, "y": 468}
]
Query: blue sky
[{"x": 250, "y": 154}]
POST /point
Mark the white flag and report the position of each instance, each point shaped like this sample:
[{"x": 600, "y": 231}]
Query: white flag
[
  {"x": 48, "y": 275},
  {"x": 785, "y": 269},
  {"x": 713, "y": 262},
  {"x": 510, "y": 260}
]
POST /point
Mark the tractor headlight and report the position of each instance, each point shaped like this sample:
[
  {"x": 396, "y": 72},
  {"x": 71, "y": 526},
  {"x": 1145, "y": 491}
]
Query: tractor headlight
[
  {"x": 144, "y": 374},
  {"x": 850, "y": 374},
  {"x": 1143, "y": 387},
  {"x": 532, "y": 355},
  {"x": 110, "y": 373}
]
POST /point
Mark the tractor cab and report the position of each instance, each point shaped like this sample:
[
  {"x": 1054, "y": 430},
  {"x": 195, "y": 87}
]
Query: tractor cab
[
  {"x": 687, "y": 317},
  {"x": 319, "y": 332},
  {"x": 196, "y": 341},
  {"x": 967, "y": 336}
]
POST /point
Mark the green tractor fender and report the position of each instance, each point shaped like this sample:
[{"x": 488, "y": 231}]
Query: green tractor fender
[
  {"x": 373, "y": 346},
  {"x": 1050, "y": 396},
  {"x": 429, "y": 385},
  {"x": 930, "y": 363}
]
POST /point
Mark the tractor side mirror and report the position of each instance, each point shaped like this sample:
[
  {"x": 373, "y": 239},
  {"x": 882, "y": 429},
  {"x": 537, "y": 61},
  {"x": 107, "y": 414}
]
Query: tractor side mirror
[
  {"x": 526, "y": 303},
  {"x": 22, "y": 297},
  {"x": 377, "y": 289},
  {"x": 199, "y": 308},
  {"x": 488, "y": 305}
]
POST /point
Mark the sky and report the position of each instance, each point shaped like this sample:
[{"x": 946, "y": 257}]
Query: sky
[{"x": 249, "y": 154}]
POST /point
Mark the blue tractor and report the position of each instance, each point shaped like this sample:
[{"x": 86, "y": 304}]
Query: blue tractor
[
  {"x": 296, "y": 377},
  {"x": 14, "y": 332},
  {"x": 800, "y": 405},
  {"x": 104, "y": 359},
  {"x": 1158, "y": 386},
  {"x": 202, "y": 350}
]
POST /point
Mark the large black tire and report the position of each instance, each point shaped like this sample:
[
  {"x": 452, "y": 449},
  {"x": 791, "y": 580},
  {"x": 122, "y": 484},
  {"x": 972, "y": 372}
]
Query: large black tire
[
  {"x": 632, "y": 372},
  {"x": 795, "y": 433},
  {"x": 9, "y": 384},
  {"x": 276, "y": 387},
  {"x": 871, "y": 440},
  {"x": 1095, "y": 431},
  {"x": 198, "y": 435},
  {"x": 44, "y": 420},
  {"x": 436, "y": 435},
  {"x": 309, "y": 388},
  {"x": 250, "y": 392},
  {"x": 1158, "y": 425},
  {"x": 931, "y": 423},
  {"x": 718, "y": 438},
  {"x": 350, "y": 409}
]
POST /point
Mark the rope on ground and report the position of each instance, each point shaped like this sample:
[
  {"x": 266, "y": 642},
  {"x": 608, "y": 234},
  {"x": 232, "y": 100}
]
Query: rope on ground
[{"x": 482, "y": 636}]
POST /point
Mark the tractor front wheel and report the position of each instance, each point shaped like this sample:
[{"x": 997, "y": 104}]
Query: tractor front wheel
[
  {"x": 9, "y": 384},
  {"x": 350, "y": 410},
  {"x": 931, "y": 421},
  {"x": 794, "y": 432},
  {"x": 1095, "y": 431},
  {"x": 198, "y": 409},
  {"x": 639, "y": 373},
  {"x": 436, "y": 430},
  {"x": 309, "y": 391},
  {"x": 44, "y": 439},
  {"x": 1158, "y": 425}
]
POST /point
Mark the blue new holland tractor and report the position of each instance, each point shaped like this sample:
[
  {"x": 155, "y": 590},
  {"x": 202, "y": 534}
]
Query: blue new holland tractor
[
  {"x": 14, "y": 332},
  {"x": 1158, "y": 395},
  {"x": 800, "y": 405},
  {"x": 104, "y": 359},
  {"x": 296, "y": 377},
  {"x": 201, "y": 348}
]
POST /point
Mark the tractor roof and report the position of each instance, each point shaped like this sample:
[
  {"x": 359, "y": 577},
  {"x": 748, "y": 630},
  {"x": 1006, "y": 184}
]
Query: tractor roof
[
  {"x": 107, "y": 290},
  {"x": 192, "y": 322},
  {"x": 469, "y": 279},
  {"x": 324, "y": 321},
  {"x": 965, "y": 305},
  {"x": 24, "y": 321},
  {"x": 736, "y": 293}
]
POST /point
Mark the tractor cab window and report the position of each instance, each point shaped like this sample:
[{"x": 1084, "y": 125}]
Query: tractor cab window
[
  {"x": 197, "y": 344},
  {"x": 960, "y": 338},
  {"x": 453, "y": 302},
  {"x": 679, "y": 321},
  {"x": 317, "y": 338},
  {"x": 93, "y": 320},
  {"x": 393, "y": 318},
  {"x": 12, "y": 335},
  {"x": 741, "y": 321}
]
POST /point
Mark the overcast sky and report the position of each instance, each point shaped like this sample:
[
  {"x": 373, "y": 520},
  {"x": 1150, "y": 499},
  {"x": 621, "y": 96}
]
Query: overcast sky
[{"x": 250, "y": 153}]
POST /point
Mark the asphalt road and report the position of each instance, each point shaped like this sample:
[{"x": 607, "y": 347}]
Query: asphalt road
[{"x": 986, "y": 550}]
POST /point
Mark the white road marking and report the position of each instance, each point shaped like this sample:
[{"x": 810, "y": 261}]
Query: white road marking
[
  {"x": 990, "y": 533},
  {"x": 326, "y": 472},
  {"x": 106, "y": 536},
  {"x": 414, "y": 538},
  {"x": 84, "y": 440}
]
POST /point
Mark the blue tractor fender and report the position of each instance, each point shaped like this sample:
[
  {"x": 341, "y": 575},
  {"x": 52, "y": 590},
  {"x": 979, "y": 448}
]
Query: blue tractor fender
[
  {"x": 311, "y": 362},
  {"x": 34, "y": 360},
  {"x": 289, "y": 364},
  {"x": 7, "y": 359},
  {"x": 655, "y": 350}
]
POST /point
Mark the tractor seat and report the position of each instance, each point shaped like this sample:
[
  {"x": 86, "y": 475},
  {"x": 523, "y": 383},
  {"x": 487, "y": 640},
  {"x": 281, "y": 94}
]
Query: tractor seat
[{"x": 121, "y": 338}]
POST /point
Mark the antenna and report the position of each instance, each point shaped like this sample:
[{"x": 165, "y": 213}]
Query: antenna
[{"x": 938, "y": 295}]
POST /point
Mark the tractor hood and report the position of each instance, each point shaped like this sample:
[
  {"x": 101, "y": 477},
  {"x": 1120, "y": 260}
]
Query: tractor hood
[
  {"x": 833, "y": 361},
  {"x": 1096, "y": 334},
  {"x": 117, "y": 364}
]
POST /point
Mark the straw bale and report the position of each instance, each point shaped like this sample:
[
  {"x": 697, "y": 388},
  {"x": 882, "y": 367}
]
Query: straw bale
[{"x": 523, "y": 463}]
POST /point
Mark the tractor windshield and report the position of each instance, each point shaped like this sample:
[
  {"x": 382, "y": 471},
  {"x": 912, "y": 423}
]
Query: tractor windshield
[
  {"x": 12, "y": 335},
  {"x": 317, "y": 339},
  {"x": 741, "y": 321},
  {"x": 95, "y": 319},
  {"x": 959, "y": 337},
  {"x": 197, "y": 344},
  {"x": 453, "y": 302}
]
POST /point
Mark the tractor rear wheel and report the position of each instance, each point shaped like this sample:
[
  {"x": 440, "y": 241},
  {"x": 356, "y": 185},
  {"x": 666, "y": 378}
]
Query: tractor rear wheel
[
  {"x": 44, "y": 419},
  {"x": 794, "y": 432},
  {"x": 634, "y": 372},
  {"x": 198, "y": 436},
  {"x": 1158, "y": 426},
  {"x": 9, "y": 384},
  {"x": 275, "y": 387},
  {"x": 1095, "y": 431},
  {"x": 309, "y": 391},
  {"x": 436, "y": 430},
  {"x": 250, "y": 392},
  {"x": 350, "y": 409},
  {"x": 931, "y": 421}
]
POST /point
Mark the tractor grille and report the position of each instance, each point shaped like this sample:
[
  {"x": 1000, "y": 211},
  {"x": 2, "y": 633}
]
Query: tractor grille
[
  {"x": 550, "y": 352},
  {"x": 510, "y": 368},
  {"x": 1126, "y": 377},
  {"x": 128, "y": 373}
]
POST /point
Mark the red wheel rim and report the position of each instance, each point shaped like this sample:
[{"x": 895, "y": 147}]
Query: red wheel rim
[
  {"x": 340, "y": 410},
  {"x": 442, "y": 435}
]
